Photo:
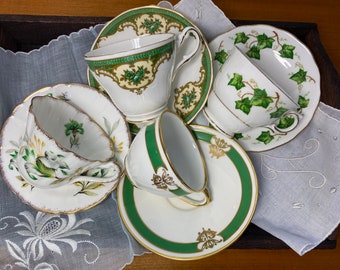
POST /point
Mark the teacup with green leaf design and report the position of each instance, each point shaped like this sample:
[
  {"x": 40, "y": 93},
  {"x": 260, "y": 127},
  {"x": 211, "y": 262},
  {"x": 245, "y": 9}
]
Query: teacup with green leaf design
[
  {"x": 244, "y": 98},
  {"x": 137, "y": 73},
  {"x": 64, "y": 145}
]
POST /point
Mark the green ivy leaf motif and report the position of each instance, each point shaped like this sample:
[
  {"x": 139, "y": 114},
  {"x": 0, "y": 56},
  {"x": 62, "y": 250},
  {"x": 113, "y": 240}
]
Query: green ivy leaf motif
[
  {"x": 303, "y": 102},
  {"x": 287, "y": 51},
  {"x": 265, "y": 137},
  {"x": 263, "y": 41},
  {"x": 261, "y": 98},
  {"x": 238, "y": 136},
  {"x": 237, "y": 81},
  {"x": 299, "y": 76},
  {"x": 278, "y": 113},
  {"x": 285, "y": 122},
  {"x": 241, "y": 38},
  {"x": 243, "y": 105},
  {"x": 254, "y": 52},
  {"x": 221, "y": 56}
]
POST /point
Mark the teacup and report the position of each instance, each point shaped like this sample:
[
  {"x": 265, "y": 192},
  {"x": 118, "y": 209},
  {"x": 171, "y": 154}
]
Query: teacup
[
  {"x": 244, "y": 98},
  {"x": 137, "y": 73},
  {"x": 164, "y": 159},
  {"x": 64, "y": 145}
]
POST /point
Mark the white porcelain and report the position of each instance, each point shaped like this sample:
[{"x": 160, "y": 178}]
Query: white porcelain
[
  {"x": 141, "y": 70},
  {"x": 244, "y": 98},
  {"x": 82, "y": 194},
  {"x": 287, "y": 62},
  {"x": 175, "y": 230},
  {"x": 165, "y": 159},
  {"x": 192, "y": 82},
  {"x": 63, "y": 144}
]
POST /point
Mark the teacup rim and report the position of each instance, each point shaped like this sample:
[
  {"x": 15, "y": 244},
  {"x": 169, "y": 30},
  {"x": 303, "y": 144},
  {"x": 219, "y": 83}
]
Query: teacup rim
[
  {"x": 90, "y": 55},
  {"x": 61, "y": 146},
  {"x": 183, "y": 182}
]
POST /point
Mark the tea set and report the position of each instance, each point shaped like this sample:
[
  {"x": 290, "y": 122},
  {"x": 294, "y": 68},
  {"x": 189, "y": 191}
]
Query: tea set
[{"x": 186, "y": 187}]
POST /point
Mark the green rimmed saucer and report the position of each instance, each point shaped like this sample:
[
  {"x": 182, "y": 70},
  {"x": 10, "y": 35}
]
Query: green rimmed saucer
[
  {"x": 175, "y": 230},
  {"x": 192, "y": 83}
]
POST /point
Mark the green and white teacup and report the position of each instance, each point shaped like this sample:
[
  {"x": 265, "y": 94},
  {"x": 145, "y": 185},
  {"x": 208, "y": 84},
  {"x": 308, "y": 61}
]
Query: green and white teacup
[
  {"x": 64, "y": 145},
  {"x": 137, "y": 73},
  {"x": 244, "y": 98},
  {"x": 164, "y": 159}
]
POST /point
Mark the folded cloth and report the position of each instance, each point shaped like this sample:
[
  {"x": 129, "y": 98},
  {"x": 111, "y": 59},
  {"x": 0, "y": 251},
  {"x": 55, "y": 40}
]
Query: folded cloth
[{"x": 299, "y": 182}]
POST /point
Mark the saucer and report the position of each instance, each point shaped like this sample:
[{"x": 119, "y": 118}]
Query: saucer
[
  {"x": 283, "y": 58},
  {"x": 192, "y": 83},
  {"x": 79, "y": 195},
  {"x": 176, "y": 230}
]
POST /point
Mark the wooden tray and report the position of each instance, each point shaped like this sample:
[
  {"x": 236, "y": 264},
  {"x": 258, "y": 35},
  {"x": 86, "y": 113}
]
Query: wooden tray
[{"x": 25, "y": 33}]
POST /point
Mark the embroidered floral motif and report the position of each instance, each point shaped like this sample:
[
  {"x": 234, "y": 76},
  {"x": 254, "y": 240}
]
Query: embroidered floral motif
[{"x": 44, "y": 232}]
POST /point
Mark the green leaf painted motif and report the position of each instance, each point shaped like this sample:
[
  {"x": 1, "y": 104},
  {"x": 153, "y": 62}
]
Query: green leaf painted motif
[
  {"x": 263, "y": 41},
  {"x": 238, "y": 136},
  {"x": 88, "y": 188},
  {"x": 261, "y": 98},
  {"x": 285, "y": 122},
  {"x": 73, "y": 127},
  {"x": 187, "y": 99},
  {"x": 303, "y": 102},
  {"x": 45, "y": 171},
  {"x": 278, "y": 113},
  {"x": 135, "y": 76},
  {"x": 287, "y": 51},
  {"x": 151, "y": 25},
  {"x": 237, "y": 81},
  {"x": 299, "y": 76},
  {"x": 243, "y": 105},
  {"x": 265, "y": 137},
  {"x": 221, "y": 56},
  {"x": 241, "y": 38},
  {"x": 28, "y": 153},
  {"x": 254, "y": 52}
]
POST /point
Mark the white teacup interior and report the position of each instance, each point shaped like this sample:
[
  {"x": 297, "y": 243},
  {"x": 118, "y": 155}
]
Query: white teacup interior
[
  {"x": 51, "y": 115},
  {"x": 182, "y": 151},
  {"x": 129, "y": 46}
]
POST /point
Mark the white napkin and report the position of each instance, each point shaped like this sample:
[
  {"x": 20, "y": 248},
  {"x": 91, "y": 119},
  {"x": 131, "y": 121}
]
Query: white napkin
[{"x": 299, "y": 182}]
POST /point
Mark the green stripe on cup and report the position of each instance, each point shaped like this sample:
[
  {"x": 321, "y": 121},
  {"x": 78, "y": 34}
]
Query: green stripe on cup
[
  {"x": 154, "y": 154},
  {"x": 151, "y": 54},
  {"x": 233, "y": 226}
]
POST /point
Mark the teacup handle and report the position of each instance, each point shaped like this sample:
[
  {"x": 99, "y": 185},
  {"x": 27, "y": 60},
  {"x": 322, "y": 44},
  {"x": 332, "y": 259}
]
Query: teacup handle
[
  {"x": 198, "y": 198},
  {"x": 181, "y": 38},
  {"x": 277, "y": 129}
]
